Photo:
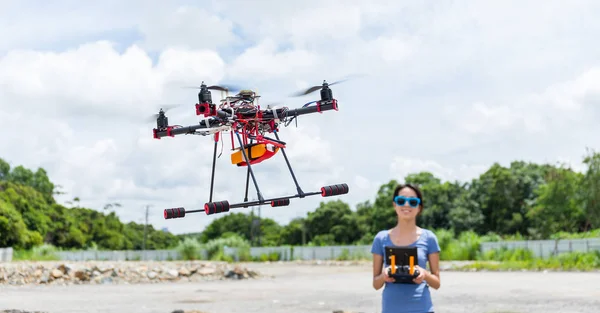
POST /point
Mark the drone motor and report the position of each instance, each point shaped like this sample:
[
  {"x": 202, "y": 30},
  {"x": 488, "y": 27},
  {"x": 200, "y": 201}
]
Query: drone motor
[
  {"x": 204, "y": 96},
  {"x": 326, "y": 92},
  {"x": 162, "y": 121}
]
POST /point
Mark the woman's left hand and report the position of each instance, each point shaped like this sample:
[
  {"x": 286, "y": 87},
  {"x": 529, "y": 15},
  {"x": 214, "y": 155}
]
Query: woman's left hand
[{"x": 422, "y": 273}]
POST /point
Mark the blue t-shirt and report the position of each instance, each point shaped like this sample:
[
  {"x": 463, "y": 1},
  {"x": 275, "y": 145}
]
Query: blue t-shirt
[{"x": 407, "y": 298}]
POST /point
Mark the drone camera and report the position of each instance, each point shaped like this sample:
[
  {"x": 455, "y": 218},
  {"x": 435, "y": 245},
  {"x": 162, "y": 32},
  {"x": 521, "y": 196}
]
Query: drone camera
[
  {"x": 334, "y": 190},
  {"x": 280, "y": 202}
]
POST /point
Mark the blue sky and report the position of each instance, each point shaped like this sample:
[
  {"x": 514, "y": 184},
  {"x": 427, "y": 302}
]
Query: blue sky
[{"x": 457, "y": 85}]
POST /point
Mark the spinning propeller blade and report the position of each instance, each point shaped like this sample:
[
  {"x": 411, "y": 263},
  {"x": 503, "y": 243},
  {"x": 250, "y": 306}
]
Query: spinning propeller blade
[
  {"x": 164, "y": 108},
  {"x": 226, "y": 87},
  {"x": 319, "y": 87}
]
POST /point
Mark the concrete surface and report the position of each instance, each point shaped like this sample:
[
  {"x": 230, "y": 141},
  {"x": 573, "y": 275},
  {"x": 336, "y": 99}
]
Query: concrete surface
[{"x": 303, "y": 289}]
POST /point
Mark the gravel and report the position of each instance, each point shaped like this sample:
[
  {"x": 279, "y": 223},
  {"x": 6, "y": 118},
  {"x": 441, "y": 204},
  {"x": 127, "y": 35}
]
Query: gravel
[
  {"x": 103, "y": 272},
  {"x": 302, "y": 288}
]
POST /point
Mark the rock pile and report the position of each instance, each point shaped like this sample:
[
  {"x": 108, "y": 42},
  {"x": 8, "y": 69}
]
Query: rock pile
[{"x": 21, "y": 273}]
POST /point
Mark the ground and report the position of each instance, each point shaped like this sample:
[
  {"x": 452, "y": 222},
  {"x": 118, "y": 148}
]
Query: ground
[{"x": 309, "y": 288}]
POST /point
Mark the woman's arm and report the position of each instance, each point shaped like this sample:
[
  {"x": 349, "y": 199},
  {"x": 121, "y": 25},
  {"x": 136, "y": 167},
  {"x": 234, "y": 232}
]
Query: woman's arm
[
  {"x": 378, "y": 277},
  {"x": 433, "y": 277}
]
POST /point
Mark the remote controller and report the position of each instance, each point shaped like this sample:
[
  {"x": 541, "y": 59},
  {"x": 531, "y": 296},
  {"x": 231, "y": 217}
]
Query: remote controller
[{"x": 403, "y": 274}]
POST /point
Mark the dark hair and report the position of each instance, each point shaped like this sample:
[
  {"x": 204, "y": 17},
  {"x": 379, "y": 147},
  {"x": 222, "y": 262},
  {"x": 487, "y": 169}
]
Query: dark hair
[{"x": 414, "y": 188}]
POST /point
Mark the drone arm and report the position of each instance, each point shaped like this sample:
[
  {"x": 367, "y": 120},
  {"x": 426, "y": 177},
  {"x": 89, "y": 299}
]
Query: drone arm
[
  {"x": 172, "y": 131},
  {"x": 319, "y": 107}
]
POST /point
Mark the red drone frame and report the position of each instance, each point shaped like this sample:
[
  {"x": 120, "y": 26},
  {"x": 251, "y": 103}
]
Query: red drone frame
[{"x": 241, "y": 116}]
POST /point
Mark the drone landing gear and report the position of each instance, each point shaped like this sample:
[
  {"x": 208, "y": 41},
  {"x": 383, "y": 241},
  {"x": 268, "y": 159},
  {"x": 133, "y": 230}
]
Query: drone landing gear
[
  {"x": 301, "y": 193},
  {"x": 225, "y": 206},
  {"x": 248, "y": 163}
]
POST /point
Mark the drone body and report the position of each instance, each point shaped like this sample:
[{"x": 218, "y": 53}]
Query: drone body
[{"x": 242, "y": 116}]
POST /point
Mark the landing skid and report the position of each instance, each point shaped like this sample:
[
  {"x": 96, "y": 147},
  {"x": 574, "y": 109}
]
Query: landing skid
[{"x": 224, "y": 206}]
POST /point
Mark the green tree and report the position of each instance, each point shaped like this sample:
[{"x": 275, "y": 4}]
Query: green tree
[
  {"x": 558, "y": 205},
  {"x": 294, "y": 233},
  {"x": 333, "y": 218},
  {"x": 30, "y": 216},
  {"x": 591, "y": 190}
]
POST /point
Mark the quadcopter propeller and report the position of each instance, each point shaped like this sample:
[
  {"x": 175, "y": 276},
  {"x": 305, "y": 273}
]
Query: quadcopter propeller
[
  {"x": 324, "y": 84},
  {"x": 163, "y": 108},
  {"x": 226, "y": 87}
]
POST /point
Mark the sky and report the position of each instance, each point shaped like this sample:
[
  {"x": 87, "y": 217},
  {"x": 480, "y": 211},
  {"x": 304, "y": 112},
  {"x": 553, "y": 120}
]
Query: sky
[{"x": 449, "y": 87}]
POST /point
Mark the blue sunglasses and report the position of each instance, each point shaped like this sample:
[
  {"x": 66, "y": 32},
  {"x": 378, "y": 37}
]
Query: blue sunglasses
[{"x": 401, "y": 201}]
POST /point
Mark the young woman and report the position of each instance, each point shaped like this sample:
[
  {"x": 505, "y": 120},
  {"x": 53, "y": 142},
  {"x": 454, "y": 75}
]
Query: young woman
[{"x": 400, "y": 298}]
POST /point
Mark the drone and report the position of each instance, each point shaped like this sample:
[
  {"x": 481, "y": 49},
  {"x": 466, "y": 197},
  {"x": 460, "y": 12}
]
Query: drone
[{"x": 242, "y": 116}]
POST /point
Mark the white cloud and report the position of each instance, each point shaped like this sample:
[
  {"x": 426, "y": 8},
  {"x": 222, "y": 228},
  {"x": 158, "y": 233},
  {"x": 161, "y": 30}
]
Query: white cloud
[
  {"x": 264, "y": 61},
  {"x": 450, "y": 88},
  {"x": 186, "y": 27},
  {"x": 571, "y": 103},
  {"x": 402, "y": 167}
]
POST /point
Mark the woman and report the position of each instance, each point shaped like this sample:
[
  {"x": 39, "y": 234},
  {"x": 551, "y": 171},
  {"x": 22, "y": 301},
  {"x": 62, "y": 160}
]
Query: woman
[{"x": 400, "y": 298}]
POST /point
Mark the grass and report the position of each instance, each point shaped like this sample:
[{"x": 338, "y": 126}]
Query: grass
[
  {"x": 520, "y": 259},
  {"x": 44, "y": 252}
]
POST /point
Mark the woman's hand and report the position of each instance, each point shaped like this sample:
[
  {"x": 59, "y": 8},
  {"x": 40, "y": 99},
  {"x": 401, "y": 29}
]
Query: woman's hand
[
  {"x": 422, "y": 273},
  {"x": 387, "y": 278}
]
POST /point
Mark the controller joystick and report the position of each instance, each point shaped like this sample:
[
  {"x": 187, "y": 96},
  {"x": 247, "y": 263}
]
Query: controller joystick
[{"x": 403, "y": 274}]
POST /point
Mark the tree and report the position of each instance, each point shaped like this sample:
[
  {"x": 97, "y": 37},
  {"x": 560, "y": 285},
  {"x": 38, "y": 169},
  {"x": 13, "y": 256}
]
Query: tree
[
  {"x": 559, "y": 203},
  {"x": 333, "y": 218},
  {"x": 591, "y": 190},
  {"x": 30, "y": 216}
]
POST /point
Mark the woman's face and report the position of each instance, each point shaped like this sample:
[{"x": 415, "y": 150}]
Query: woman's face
[{"x": 407, "y": 204}]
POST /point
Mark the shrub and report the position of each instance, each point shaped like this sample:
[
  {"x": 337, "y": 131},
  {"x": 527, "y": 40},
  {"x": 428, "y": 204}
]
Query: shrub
[
  {"x": 215, "y": 248},
  {"x": 189, "y": 249}
]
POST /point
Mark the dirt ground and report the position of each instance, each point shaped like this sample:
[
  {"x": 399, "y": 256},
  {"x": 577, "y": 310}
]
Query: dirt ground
[{"x": 306, "y": 288}]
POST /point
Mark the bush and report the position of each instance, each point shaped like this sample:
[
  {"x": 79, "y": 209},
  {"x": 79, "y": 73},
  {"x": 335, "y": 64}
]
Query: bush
[
  {"x": 44, "y": 252},
  {"x": 504, "y": 254},
  {"x": 517, "y": 259},
  {"x": 356, "y": 255},
  {"x": 583, "y": 235},
  {"x": 465, "y": 247},
  {"x": 216, "y": 252},
  {"x": 468, "y": 247},
  {"x": 189, "y": 249}
]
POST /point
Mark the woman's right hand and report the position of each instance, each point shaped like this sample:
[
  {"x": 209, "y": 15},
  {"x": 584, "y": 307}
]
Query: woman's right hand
[{"x": 387, "y": 278}]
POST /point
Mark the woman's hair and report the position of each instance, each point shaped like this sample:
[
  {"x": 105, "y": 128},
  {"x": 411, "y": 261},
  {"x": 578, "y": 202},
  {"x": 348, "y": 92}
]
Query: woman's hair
[{"x": 414, "y": 188}]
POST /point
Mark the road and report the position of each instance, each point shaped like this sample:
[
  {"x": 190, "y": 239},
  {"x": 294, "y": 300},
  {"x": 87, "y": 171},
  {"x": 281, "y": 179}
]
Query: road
[{"x": 303, "y": 289}]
